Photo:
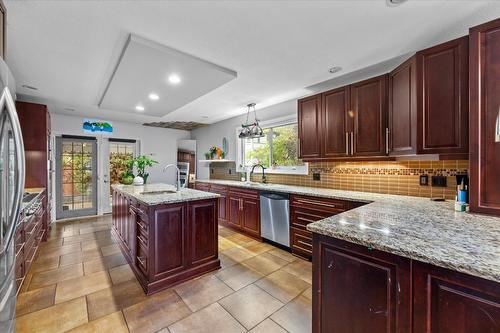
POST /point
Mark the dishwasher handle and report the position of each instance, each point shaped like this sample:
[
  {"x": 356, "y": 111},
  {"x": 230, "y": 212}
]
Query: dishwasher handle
[{"x": 275, "y": 196}]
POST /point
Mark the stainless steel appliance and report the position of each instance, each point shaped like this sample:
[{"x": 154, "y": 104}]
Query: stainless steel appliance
[
  {"x": 275, "y": 217},
  {"x": 184, "y": 173},
  {"x": 11, "y": 192}
]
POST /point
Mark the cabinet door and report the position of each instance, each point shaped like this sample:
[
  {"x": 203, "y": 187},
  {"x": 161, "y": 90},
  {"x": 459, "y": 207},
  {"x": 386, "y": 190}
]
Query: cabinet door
[
  {"x": 202, "y": 217},
  {"x": 485, "y": 118},
  {"x": 402, "y": 133},
  {"x": 223, "y": 206},
  {"x": 447, "y": 301},
  {"x": 309, "y": 121},
  {"x": 250, "y": 217},
  {"x": 234, "y": 210},
  {"x": 369, "y": 107},
  {"x": 358, "y": 290},
  {"x": 169, "y": 241},
  {"x": 443, "y": 90},
  {"x": 337, "y": 123}
]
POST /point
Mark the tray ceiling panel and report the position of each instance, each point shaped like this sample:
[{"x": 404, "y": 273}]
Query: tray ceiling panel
[{"x": 155, "y": 79}]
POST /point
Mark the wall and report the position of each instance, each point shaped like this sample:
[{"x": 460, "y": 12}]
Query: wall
[{"x": 394, "y": 177}]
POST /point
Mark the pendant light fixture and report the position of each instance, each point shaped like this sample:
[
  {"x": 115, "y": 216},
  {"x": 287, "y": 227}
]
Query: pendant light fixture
[{"x": 252, "y": 130}]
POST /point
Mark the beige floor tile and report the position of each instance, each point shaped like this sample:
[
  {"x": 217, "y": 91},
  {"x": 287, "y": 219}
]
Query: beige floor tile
[
  {"x": 121, "y": 274},
  {"x": 203, "y": 291},
  {"x": 268, "y": 326},
  {"x": 225, "y": 244},
  {"x": 111, "y": 323},
  {"x": 42, "y": 264},
  {"x": 35, "y": 300},
  {"x": 308, "y": 293},
  {"x": 250, "y": 305},
  {"x": 238, "y": 276},
  {"x": 57, "y": 251},
  {"x": 97, "y": 243},
  {"x": 283, "y": 255},
  {"x": 89, "y": 230},
  {"x": 213, "y": 318},
  {"x": 239, "y": 239},
  {"x": 110, "y": 249},
  {"x": 103, "y": 263},
  {"x": 51, "y": 242},
  {"x": 48, "y": 278},
  {"x": 156, "y": 312},
  {"x": 238, "y": 254},
  {"x": 115, "y": 298},
  {"x": 57, "y": 318},
  {"x": 77, "y": 257},
  {"x": 301, "y": 269},
  {"x": 296, "y": 316},
  {"x": 26, "y": 282},
  {"x": 225, "y": 232},
  {"x": 81, "y": 286},
  {"x": 225, "y": 261},
  {"x": 283, "y": 285},
  {"x": 265, "y": 263},
  {"x": 257, "y": 247}
]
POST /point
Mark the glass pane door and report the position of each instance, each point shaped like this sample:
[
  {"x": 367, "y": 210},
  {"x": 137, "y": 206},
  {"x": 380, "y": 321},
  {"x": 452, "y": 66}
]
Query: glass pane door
[{"x": 76, "y": 177}]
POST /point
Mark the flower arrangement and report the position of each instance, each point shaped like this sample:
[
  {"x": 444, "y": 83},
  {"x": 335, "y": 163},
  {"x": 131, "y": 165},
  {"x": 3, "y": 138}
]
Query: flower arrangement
[{"x": 215, "y": 152}]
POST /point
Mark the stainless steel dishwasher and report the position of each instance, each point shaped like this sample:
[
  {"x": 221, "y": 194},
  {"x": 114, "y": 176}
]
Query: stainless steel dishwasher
[{"x": 275, "y": 217}]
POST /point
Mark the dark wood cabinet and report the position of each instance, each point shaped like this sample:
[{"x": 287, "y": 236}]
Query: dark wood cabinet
[
  {"x": 223, "y": 201},
  {"x": 402, "y": 131},
  {"x": 244, "y": 211},
  {"x": 202, "y": 186},
  {"x": 485, "y": 118},
  {"x": 337, "y": 123},
  {"x": 447, "y": 301},
  {"x": 369, "y": 108},
  {"x": 168, "y": 243},
  {"x": 309, "y": 127},
  {"x": 359, "y": 290},
  {"x": 442, "y": 98}
]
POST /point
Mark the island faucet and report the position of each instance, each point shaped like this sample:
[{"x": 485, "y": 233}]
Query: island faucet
[
  {"x": 264, "y": 178},
  {"x": 178, "y": 182}
]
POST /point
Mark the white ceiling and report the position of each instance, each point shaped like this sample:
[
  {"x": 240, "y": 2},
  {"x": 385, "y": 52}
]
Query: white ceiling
[{"x": 68, "y": 49}]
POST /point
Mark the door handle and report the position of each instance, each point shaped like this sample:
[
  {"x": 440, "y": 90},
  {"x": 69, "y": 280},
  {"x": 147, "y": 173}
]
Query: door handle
[
  {"x": 347, "y": 143},
  {"x": 352, "y": 143},
  {"x": 387, "y": 140}
]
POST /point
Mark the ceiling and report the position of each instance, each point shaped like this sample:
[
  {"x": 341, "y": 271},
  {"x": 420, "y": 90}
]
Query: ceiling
[{"x": 69, "y": 49}]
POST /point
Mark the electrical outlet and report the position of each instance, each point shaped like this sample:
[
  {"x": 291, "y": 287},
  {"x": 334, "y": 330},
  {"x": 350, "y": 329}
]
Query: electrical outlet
[
  {"x": 230, "y": 171},
  {"x": 316, "y": 176},
  {"x": 424, "y": 180}
]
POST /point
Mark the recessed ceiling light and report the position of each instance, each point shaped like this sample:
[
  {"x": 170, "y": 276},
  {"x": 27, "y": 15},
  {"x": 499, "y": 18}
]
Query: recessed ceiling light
[
  {"x": 154, "y": 97},
  {"x": 335, "y": 69},
  {"x": 69, "y": 109},
  {"x": 204, "y": 117},
  {"x": 139, "y": 108},
  {"x": 29, "y": 87},
  {"x": 174, "y": 79}
]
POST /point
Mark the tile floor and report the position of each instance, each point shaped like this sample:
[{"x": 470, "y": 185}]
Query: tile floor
[{"x": 80, "y": 282}]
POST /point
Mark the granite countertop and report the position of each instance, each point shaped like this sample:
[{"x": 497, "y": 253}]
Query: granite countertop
[
  {"x": 185, "y": 194},
  {"x": 31, "y": 190},
  {"x": 412, "y": 227}
]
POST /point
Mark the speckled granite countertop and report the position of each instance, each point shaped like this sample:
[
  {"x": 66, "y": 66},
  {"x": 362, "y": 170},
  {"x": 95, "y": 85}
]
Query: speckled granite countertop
[
  {"x": 169, "y": 196},
  {"x": 31, "y": 190},
  {"x": 415, "y": 228}
]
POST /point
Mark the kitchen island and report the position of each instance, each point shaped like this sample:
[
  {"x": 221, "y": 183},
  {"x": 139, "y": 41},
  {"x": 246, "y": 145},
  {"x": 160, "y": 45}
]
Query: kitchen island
[{"x": 167, "y": 236}]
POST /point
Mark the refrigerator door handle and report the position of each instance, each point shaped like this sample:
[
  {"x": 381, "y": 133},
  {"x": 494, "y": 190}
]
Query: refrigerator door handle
[{"x": 7, "y": 103}]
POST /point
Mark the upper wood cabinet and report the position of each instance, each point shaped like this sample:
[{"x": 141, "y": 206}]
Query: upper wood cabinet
[
  {"x": 485, "y": 118},
  {"x": 402, "y": 134},
  {"x": 337, "y": 124},
  {"x": 369, "y": 116},
  {"x": 309, "y": 122},
  {"x": 442, "y": 98}
]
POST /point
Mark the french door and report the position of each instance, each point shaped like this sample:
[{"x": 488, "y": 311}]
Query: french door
[{"x": 76, "y": 176}]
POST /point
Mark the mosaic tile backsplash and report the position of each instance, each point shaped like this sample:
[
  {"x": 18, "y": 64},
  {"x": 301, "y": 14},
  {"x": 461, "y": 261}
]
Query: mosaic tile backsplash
[{"x": 391, "y": 177}]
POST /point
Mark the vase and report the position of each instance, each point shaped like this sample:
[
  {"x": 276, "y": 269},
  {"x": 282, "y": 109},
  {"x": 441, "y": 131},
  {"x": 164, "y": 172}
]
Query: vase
[{"x": 138, "y": 181}]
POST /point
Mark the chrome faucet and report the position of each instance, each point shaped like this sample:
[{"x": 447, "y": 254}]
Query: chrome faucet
[
  {"x": 178, "y": 182},
  {"x": 264, "y": 178}
]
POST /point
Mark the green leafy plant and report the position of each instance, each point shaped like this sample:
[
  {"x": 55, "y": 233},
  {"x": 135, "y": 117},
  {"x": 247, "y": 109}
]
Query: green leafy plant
[{"x": 141, "y": 162}]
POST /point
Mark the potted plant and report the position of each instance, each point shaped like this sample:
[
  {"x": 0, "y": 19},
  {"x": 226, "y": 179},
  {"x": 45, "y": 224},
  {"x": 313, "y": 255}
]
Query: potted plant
[{"x": 141, "y": 162}]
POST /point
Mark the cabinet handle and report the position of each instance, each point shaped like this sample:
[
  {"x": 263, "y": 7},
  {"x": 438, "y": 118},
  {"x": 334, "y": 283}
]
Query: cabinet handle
[
  {"x": 330, "y": 265},
  {"x": 352, "y": 143},
  {"x": 311, "y": 202},
  {"x": 347, "y": 143},
  {"x": 387, "y": 140},
  {"x": 141, "y": 262}
]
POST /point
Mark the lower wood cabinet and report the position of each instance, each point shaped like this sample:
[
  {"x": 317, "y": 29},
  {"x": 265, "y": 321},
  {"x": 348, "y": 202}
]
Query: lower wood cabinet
[
  {"x": 448, "y": 301},
  {"x": 244, "y": 211},
  {"x": 357, "y": 289}
]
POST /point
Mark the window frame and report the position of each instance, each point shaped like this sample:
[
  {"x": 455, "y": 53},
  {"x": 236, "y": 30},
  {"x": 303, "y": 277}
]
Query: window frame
[{"x": 283, "y": 121}]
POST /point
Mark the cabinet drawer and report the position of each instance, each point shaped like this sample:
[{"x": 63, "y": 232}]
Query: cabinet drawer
[
  {"x": 236, "y": 191},
  {"x": 301, "y": 217},
  {"x": 141, "y": 210},
  {"x": 19, "y": 267},
  {"x": 202, "y": 186},
  {"x": 142, "y": 259},
  {"x": 301, "y": 241},
  {"x": 331, "y": 205},
  {"x": 142, "y": 239},
  {"x": 218, "y": 188}
]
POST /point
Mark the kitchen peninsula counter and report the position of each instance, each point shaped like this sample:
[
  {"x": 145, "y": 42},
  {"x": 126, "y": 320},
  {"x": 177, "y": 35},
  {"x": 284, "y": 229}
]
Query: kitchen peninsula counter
[{"x": 167, "y": 236}]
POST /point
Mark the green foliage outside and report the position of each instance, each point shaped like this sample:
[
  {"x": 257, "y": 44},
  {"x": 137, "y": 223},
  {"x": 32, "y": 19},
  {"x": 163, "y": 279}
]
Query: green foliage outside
[
  {"x": 284, "y": 147},
  {"x": 78, "y": 171},
  {"x": 120, "y": 166}
]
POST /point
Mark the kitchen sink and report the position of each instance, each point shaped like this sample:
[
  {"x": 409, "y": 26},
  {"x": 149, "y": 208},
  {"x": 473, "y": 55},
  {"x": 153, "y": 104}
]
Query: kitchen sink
[{"x": 159, "y": 192}]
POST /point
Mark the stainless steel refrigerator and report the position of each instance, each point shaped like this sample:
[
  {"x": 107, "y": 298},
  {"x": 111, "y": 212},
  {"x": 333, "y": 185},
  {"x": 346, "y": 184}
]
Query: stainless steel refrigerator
[{"x": 11, "y": 192}]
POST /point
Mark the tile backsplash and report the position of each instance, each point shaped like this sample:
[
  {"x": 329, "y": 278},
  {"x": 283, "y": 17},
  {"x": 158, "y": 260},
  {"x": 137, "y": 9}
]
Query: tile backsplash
[{"x": 392, "y": 177}]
